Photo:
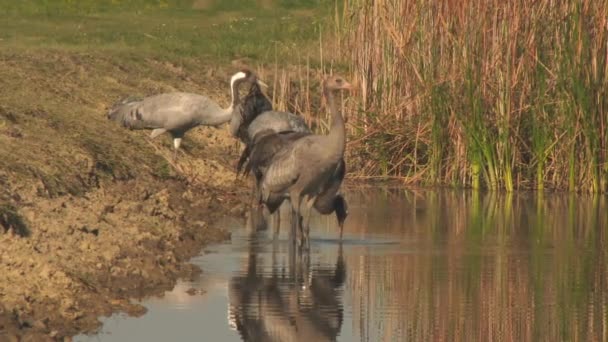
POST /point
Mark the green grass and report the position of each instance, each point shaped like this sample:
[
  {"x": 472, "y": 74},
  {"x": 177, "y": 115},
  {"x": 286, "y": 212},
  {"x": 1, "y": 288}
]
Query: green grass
[{"x": 166, "y": 29}]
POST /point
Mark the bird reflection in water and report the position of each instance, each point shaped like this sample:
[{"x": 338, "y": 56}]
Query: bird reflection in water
[{"x": 286, "y": 300}]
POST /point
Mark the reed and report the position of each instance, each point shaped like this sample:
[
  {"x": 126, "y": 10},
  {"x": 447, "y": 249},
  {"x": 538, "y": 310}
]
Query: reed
[{"x": 493, "y": 94}]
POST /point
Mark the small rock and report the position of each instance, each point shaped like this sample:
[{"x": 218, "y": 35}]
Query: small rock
[{"x": 107, "y": 255}]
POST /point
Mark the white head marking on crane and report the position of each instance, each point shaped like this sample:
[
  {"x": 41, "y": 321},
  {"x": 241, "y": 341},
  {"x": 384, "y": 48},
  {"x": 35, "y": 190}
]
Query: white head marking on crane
[{"x": 239, "y": 75}]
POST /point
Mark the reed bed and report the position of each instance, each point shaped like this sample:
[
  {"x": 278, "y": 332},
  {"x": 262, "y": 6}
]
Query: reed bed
[{"x": 483, "y": 94}]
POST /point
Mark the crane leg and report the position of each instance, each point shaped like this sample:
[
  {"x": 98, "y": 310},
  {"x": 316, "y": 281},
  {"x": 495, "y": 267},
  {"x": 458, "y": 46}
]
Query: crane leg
[
  {"x": 309, "y": 202},
  {"x": 176, "y": 143},
  {"x": 296, "y": 218},
  {"x": 276, "y": 223},
  {"x": 255, "y": 197}
]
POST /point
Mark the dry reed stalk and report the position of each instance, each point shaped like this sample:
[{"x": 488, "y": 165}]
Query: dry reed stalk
[{"x": 515, "y": 91}]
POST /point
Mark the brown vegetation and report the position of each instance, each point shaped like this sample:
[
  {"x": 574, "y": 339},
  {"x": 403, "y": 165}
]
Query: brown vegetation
[{"x": 496, "y": 94}]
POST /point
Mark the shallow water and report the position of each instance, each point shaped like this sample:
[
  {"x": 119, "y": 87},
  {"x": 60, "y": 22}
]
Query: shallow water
[{"x": 413, "y": 265}]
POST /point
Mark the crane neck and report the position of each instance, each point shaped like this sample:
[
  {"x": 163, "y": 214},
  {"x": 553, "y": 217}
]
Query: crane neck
[
  {"x": 226, "y": 114},
  {"x": 337, "y": 128},
  {"x": 234, "y": 95}
]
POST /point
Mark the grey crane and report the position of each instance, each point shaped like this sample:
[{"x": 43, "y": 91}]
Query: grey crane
[
  {"x": 266, "y": 145},
  {"x": 304, "y": 168},
  {"x": 178, "y": 112},
  {"x": 255, "y": 116}
]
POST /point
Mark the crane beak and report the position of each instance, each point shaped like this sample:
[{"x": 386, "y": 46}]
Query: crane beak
[{"x": 262, "y": 84}]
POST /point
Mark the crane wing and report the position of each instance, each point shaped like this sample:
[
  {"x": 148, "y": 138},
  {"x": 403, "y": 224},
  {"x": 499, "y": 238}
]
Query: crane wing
[
  {"x": 175, "y": 111},
  {"x": 282, "y": 172},
  {"x": 266, "y": 145},
  {"x": 324, "y": 203},
  {"x": 278, "y": 122}
]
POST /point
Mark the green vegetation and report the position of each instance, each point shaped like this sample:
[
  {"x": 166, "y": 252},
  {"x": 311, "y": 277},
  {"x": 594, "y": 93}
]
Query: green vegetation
[
  {"x": 501, "y": 95},
  {"x": 164, "y": 29}
]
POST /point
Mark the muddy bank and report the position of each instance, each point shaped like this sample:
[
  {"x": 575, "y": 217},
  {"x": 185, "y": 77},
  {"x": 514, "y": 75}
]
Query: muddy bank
[
  {"x": 86, "y": 256},
  {"x": 92, "y": 214}
]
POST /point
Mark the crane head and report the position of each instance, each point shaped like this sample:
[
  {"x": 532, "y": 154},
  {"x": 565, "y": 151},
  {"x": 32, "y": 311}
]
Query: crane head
[
  {"x": 246, "y": 75},
  {"x": 337, "y": 82},
  {"x": 341, "y": 209}
]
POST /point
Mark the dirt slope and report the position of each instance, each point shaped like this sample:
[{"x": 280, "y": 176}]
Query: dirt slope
[{"x": 92, "y": 214}]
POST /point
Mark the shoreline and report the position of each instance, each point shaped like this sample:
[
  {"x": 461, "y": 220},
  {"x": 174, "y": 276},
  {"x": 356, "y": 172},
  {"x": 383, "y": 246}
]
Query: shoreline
[{"x": 87, "y": 256}]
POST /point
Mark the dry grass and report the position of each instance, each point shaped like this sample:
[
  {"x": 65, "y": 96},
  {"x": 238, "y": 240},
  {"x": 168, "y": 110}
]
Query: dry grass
[{"x": 493, "y": 94}]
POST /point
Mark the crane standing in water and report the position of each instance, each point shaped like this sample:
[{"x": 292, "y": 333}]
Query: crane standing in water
[
  {"x": 265, "y": 132},
  {"x": 266, "y": 145},
  {"x": 304, "y": 168}
]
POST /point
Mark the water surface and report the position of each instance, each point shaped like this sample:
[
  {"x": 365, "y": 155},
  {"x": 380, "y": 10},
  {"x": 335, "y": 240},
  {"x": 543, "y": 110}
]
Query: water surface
[{"x": 413, "y": 265}]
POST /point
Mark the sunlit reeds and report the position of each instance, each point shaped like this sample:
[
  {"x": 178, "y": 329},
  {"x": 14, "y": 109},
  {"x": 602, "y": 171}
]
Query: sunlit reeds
[{"x": 494, "y": 94}]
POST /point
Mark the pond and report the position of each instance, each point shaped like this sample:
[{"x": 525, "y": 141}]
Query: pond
[{"x": 414, "y": 265}]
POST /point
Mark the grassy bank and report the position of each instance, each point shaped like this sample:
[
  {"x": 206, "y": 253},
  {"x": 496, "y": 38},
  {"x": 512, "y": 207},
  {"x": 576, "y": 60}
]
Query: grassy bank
[
  {"x": 62, "y": 63},
  {"x": 499, "y": 95}
]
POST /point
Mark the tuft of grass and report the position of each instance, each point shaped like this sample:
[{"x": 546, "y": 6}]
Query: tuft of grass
[{"x": 11, "y": 220}]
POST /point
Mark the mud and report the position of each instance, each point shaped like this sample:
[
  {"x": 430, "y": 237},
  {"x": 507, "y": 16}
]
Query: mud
[
  {"x": 86, "y": 256},
  {"x": 91, "y": 214}
]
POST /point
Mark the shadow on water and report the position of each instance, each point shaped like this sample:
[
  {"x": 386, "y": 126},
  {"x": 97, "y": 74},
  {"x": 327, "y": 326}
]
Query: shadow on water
[{"x": 422, "y": 266}]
